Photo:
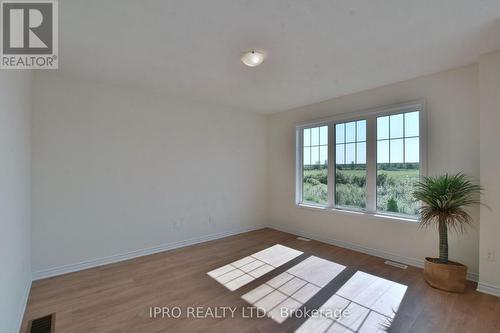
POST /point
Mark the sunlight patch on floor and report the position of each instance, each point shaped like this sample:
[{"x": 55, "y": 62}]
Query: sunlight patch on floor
[
  {"x": 247, "y": 269},
  {"x": 369, "y": 302},
  {"x": 293, "y": 288}
]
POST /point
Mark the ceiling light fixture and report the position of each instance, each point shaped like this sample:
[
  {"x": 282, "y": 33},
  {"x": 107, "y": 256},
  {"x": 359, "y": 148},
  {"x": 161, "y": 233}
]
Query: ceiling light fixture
[{"x": 253, "y": 58}]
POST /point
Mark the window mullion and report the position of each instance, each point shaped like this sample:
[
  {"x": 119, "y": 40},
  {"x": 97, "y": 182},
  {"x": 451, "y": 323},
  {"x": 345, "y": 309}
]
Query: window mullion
[
  {"x": 404, "y": 138},
  {"x": 371, "y": 164},
  {"x": 331, "y": 165}
]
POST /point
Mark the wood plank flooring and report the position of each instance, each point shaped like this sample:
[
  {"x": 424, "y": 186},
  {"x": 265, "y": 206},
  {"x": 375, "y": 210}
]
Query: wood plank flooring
[{"x": 117, "y": 298}]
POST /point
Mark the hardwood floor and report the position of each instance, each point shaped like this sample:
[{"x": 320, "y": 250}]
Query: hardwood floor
[{"x": 117, "y": 297}]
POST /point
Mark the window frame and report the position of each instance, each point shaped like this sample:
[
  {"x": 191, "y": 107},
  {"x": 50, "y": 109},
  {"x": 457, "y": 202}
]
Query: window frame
[{"x": 370, "y": 115}]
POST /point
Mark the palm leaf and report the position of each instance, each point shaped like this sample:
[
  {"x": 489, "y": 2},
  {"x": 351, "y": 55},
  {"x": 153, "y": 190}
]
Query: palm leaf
[{"x": 446, "y": 197}]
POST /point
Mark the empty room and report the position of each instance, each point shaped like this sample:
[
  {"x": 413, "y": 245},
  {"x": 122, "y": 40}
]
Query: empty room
[{"x": 249, "y": 166}]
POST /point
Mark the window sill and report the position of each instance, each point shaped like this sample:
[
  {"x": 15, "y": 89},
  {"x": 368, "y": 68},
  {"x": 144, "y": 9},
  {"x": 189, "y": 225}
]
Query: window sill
[{"x": 377, "y": 216}]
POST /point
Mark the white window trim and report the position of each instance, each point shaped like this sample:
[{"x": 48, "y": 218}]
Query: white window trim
[{"x": 371, "y": 116}]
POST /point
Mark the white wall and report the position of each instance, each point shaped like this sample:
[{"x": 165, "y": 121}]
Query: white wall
[
  {"x": 489, "y": 74},
  {"x": 15, "y": 262},
  {"x": 117, "y": 170},
  {"x": 453, "y": 141}
]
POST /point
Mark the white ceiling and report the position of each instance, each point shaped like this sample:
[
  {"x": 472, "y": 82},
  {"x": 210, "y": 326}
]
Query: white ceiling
[{"x": 318, "y": 49}]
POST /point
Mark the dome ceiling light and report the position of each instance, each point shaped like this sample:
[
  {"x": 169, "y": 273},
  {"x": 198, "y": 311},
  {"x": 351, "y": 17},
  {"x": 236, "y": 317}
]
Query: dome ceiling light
[{"x": 252, "y": 58}]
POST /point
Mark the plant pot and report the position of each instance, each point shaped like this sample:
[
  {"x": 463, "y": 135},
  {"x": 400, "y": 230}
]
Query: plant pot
[{"x": 449, "y": 277}]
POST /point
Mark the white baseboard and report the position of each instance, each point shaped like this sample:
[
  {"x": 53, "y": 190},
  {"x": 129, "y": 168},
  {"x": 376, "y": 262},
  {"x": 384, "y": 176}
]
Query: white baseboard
[
  {"x": 22, "y": 308},
  {"x": 54, "y": 271},
  {"x": 488, "y": 289},
  {"x": 472, "y": 276}
]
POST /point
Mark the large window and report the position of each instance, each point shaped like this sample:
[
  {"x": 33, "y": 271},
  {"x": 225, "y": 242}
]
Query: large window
[{"x": 365, "y": 162}]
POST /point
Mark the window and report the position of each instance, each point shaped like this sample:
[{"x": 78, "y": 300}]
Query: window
[
  {"x": 315, "y": 165},
  {"x": 350, "y": 164},
  {"x": 365, "y": 161},
  {"x": 397, "y": 162}
]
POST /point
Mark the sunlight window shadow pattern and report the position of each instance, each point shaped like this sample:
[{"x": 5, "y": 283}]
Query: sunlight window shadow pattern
[
  {"x": 247, "y": 269},
  {"x": 293, "y": 288},
  {"x": 369, "y": 303}
]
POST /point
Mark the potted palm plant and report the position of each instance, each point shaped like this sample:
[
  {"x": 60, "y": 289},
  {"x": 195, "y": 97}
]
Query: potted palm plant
[{"x": 444, "y": 202}]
